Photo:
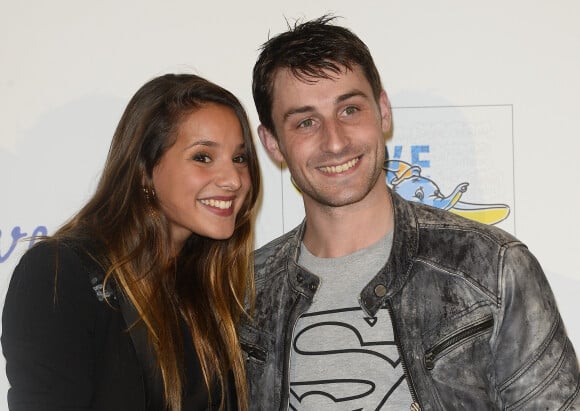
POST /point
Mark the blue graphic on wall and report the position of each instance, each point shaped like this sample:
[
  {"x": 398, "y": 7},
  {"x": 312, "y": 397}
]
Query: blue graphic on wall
[
  {"x": 407, "y": 180},
  {"x": 17, "y": 234}
]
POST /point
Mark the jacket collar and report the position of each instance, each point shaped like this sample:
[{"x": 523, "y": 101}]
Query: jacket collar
[
  {"x": 396, "y": 271},
  {"x": 394, "y": 274}
]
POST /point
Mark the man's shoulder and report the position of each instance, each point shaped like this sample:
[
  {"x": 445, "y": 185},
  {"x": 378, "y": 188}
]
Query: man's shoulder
[
  {"x": 275, "y": 252},
  {"x": 435, "y": 220},
  {"x": 275, "y": 246}
]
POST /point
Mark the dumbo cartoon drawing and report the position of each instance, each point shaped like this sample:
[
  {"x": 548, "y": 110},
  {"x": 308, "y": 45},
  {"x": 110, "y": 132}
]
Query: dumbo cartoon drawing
[{"x": 406, "y": 180}]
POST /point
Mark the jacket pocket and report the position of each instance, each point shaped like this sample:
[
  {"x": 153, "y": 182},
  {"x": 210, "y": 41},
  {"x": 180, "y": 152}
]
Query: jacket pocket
[
  {"x": 260, "y": 371},
  {"x": 456, "y": 339},
  {"x": 254, "y": 343}
]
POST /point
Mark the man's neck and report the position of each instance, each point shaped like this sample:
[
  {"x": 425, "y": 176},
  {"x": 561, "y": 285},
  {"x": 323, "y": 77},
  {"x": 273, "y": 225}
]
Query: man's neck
[{"x": 338, "y": 231}]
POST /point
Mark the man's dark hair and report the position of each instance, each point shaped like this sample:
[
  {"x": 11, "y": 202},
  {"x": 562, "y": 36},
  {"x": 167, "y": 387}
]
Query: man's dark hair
[{"x": 309, "y": 50}]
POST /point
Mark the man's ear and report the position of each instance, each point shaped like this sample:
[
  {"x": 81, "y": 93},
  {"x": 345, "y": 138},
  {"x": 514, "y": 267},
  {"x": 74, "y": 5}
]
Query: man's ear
[
  {"x": 270, "y": 143},
  {"x": 385, "y": 106}
]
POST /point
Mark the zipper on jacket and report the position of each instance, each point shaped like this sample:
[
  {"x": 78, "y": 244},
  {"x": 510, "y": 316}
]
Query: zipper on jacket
[
  {"x": 286, "y": 371},
  {"x": 431, "y": 354},
  {"x": 253, "y": 351},
  {"x": 416, "y": 406}
]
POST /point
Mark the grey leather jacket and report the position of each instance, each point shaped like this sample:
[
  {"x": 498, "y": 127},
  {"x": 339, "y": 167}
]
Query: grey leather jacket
[{"x": 475, "y": 319}]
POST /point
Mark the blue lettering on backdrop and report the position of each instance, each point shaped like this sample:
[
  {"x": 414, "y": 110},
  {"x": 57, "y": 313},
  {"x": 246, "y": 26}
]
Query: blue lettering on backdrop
[
  {"x": 17, "y": 234},
  {"x": 415, "y": 155}
]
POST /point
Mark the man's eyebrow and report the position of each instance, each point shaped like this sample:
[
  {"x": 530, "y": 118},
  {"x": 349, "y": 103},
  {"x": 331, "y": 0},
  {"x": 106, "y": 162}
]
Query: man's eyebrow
[
  {"x": 346, "y": 96},
  {"x": 297, "y": 110}
]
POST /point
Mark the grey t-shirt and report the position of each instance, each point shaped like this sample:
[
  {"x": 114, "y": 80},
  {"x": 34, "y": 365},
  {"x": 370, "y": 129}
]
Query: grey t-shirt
[{"x": 341, "y": 359}]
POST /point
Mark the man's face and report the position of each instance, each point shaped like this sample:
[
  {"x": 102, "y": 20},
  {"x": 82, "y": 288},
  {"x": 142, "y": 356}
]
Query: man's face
[{"x": 330, "y": 133}]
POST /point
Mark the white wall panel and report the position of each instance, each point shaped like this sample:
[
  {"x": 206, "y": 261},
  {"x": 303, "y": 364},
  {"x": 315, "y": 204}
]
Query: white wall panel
[{"x": 508, "y": 71}]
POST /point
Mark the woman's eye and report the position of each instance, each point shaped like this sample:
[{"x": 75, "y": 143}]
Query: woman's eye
[
  {"x": 242, "y": 158},
  {"x": 202, "y": 158},
  {"x": 306, "y": 123}
]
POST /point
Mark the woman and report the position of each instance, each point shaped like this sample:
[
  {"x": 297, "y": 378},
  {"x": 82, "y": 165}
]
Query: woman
[{"x": 134, "y": 303}]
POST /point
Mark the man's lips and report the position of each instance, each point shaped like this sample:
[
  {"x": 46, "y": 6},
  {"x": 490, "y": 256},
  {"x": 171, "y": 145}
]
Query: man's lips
[{"x": 340, "y": 168}]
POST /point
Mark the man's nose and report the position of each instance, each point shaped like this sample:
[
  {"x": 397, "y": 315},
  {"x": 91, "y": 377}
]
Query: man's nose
[{"x": 334, "y": 137}]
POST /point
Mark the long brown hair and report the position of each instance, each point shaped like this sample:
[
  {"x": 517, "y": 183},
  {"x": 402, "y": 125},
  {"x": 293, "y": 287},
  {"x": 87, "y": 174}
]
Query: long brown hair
[{"x": 207, "y": 284}]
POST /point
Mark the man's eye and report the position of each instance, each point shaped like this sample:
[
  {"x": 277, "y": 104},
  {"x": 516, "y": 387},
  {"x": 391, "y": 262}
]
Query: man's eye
[
  {"x": 242, "y": 158},
  {"x": 202, "y": 158},
  {"x": 350, "y": 110},
  {"x": 306, "y": 123}
]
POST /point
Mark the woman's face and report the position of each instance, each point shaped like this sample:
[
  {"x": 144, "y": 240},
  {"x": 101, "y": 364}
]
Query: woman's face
[{"x": 202, "y": 180}]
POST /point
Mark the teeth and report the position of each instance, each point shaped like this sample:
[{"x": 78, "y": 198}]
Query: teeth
[
  {"x": 218, "y": 203},
  {"x": 340, "y": 168}
]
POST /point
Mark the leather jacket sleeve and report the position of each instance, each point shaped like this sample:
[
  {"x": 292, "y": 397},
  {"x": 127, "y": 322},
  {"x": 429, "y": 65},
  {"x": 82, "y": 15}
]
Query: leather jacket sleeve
[{"x": 535, "y": 364}]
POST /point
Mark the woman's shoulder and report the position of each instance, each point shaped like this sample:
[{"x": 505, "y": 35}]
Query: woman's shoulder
[
  {"x": 50, "y": 253},
  {"x": 52, "y": 263}
]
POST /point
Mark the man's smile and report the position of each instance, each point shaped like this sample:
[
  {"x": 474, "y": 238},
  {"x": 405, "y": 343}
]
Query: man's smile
[{"x": 341, "y": 168}]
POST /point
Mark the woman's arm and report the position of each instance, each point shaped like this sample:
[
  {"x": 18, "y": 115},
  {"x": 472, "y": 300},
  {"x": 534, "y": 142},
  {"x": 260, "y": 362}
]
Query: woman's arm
[{"x": 48, "y": 331}]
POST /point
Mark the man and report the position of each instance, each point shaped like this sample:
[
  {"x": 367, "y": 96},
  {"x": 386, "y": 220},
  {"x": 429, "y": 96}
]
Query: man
[{"x": 374, "y": 302}]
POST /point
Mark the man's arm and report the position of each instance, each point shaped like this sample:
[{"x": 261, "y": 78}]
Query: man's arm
[{"x": 535, "y": 364}]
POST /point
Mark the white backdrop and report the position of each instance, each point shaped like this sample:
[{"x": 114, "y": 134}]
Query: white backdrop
[{"x": 68, "y": 67}]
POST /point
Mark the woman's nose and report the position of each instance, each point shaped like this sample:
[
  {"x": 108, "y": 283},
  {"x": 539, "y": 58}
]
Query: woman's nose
[{"x": 229, "y": 178}]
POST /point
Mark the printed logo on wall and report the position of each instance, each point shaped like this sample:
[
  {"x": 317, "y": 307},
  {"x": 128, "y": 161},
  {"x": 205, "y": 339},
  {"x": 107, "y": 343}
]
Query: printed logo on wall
[
  {"x": 17, "y": 235},
  {"x": 457, "y": 158}
]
